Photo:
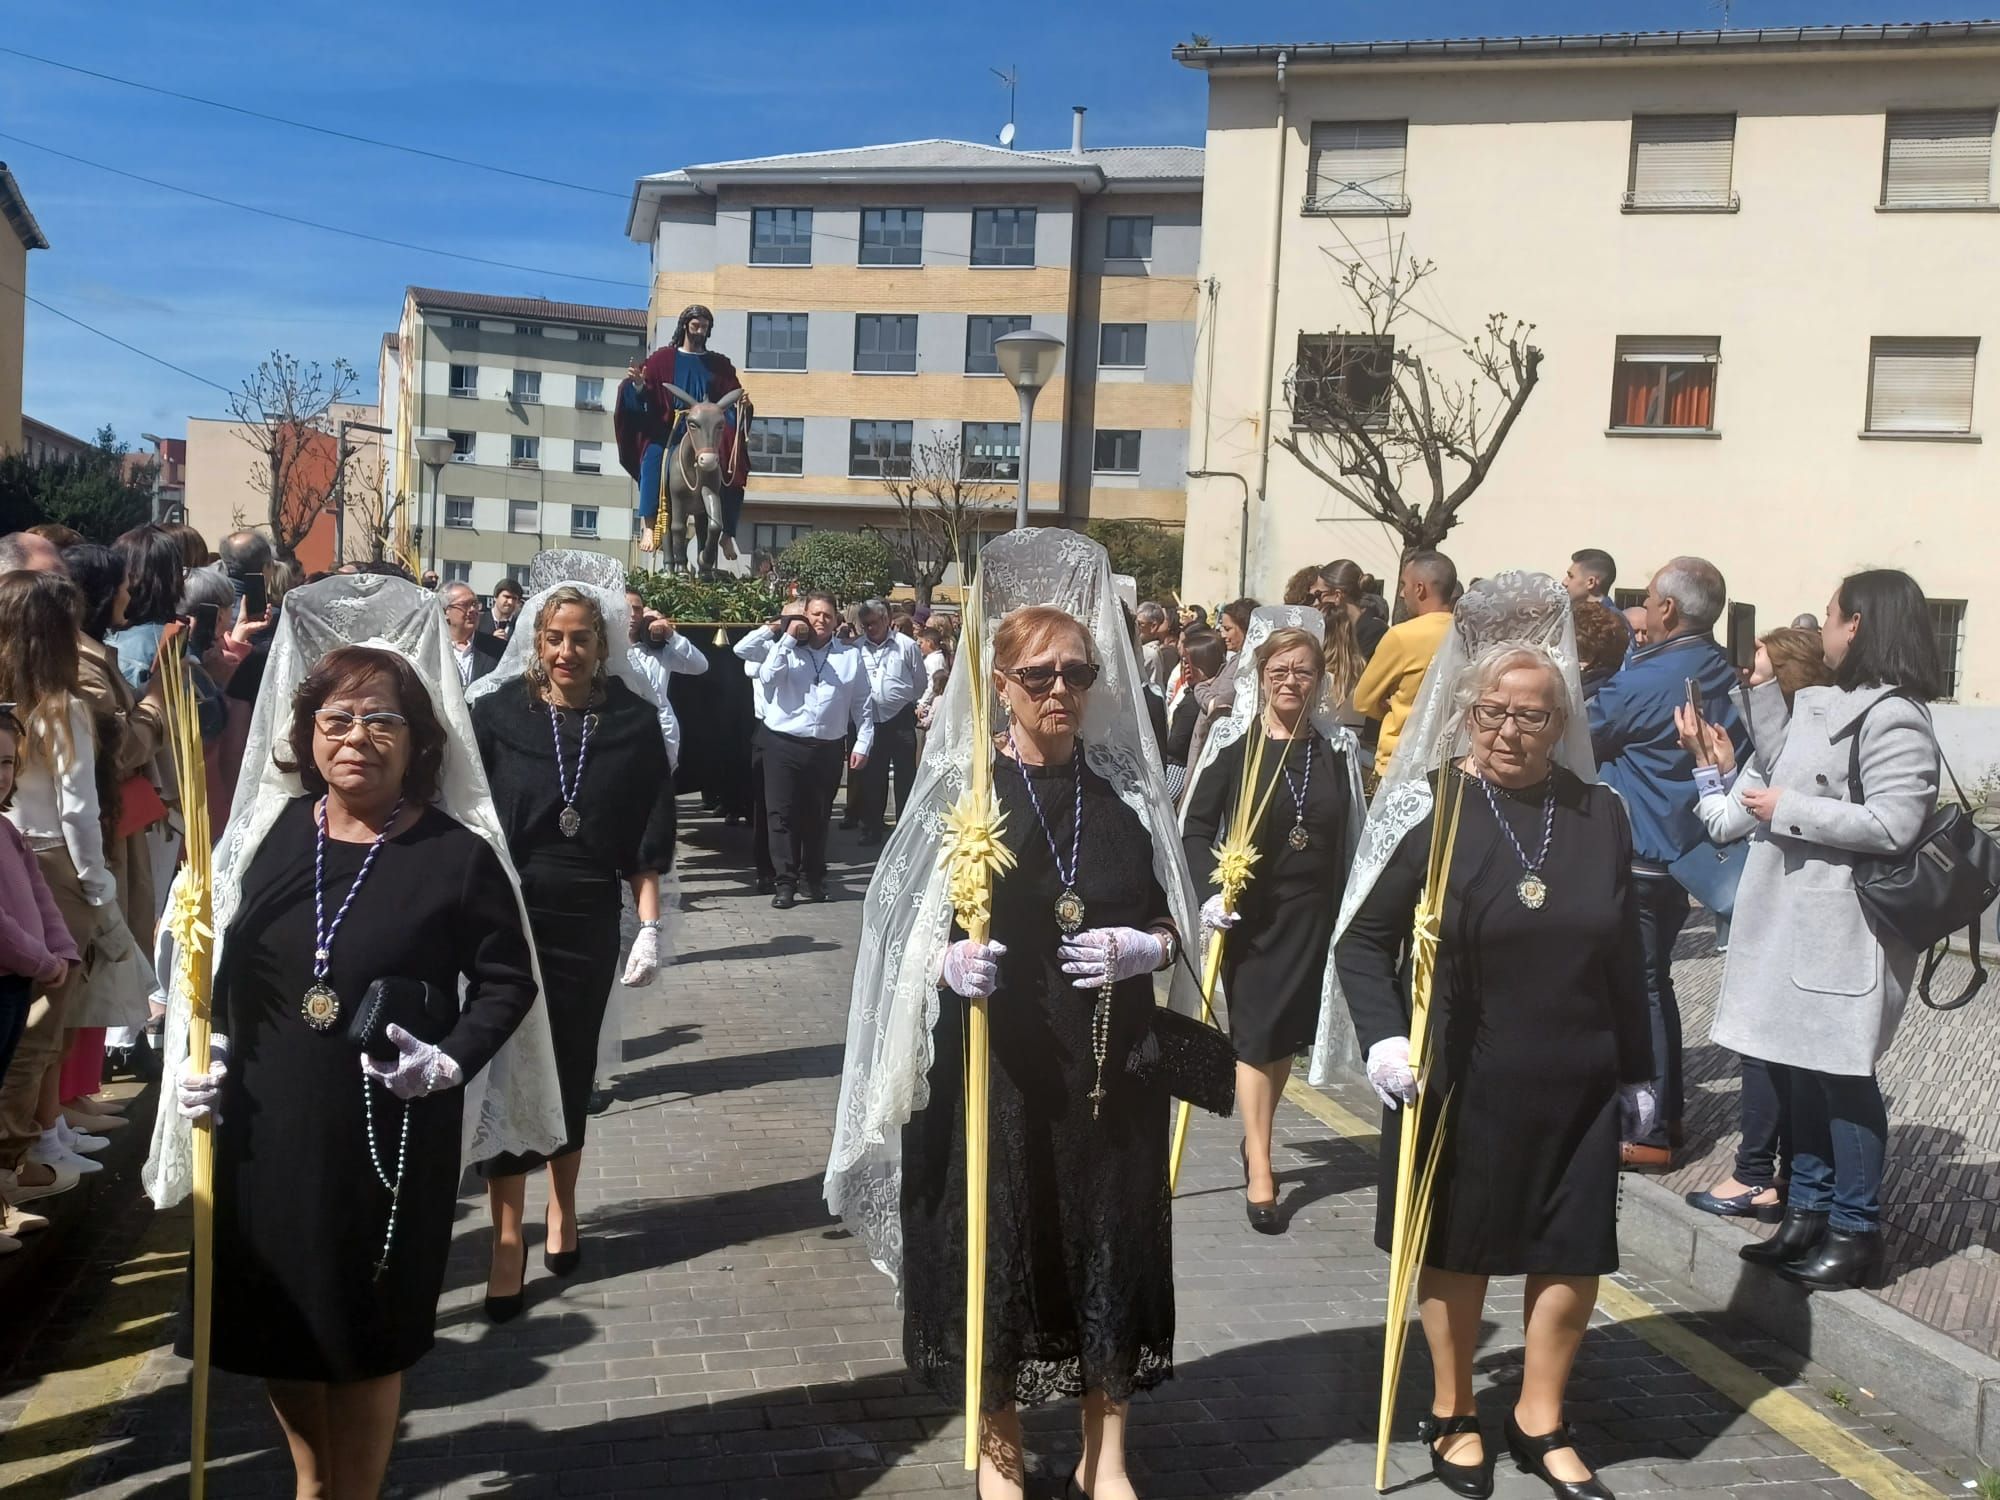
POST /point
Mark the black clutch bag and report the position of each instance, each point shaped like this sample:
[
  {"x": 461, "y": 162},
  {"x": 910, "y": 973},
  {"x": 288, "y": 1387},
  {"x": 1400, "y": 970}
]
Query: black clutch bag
[
  {"x": 399, "y": 1002},
  {"x": 1189, "y": 1059}
]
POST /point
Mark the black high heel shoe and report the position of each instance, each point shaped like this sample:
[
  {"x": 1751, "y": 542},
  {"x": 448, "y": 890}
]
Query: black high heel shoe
[
  {"x": 507, "y": 1309},
  {"x": 1531, "y": 1454},
  {"x": 1474, "y": 1481},
  {"x": 562, "y": 1262}
]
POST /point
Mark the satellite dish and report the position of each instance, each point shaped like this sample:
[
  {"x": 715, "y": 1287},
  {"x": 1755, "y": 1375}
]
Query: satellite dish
[{"x": 1007, "y": 134}]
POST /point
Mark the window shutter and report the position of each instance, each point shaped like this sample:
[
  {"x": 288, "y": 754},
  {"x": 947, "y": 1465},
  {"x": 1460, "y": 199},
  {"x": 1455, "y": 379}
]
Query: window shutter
[
  {"x": 1921, "y": 385},
  {"x": 1938, "y": 157},
  {"x": 1357, "y": 166},
  {"x": 1669, "y": 351},
  {"x": 1682, "y": 160}
]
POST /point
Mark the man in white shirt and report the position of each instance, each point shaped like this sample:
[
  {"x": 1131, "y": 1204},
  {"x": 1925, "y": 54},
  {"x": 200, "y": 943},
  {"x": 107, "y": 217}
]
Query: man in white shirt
[
  {"x": 751, "y": 651},
  {"x": 894, "y": 665},
  {"x": 474, "y": 653},
  {"x": 815, "y": 689}
]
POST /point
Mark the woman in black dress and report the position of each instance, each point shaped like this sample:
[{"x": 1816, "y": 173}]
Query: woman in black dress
[
  {"x": 1080, "y": 1293},
  {"x": 1274, "y": 962},
  {"x": 580, "y": 777},
  {"x": 1540, "y": 1024},
  {"x": 326, "y": 1280}
]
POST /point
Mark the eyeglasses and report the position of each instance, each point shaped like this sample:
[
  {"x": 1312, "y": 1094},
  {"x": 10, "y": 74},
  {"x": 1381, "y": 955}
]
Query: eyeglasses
[
  {"x": 1078, "y": 676},
  {"x": 337, "y": 724},
  {"x": 1493, "y": 715},
  {"x": 1291, "y": 674},
  {"x": 1322, "y": 596},
  {"x": 462, "y": 605}
]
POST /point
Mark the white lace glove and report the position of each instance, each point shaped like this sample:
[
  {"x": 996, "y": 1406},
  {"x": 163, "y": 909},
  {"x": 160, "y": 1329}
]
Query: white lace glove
[
  {"x": 972, "y": 969},
  {"x": 1214, "y": 918},
  {"x": 1641, "y": 1108},
  {"x": 644, "y": 961},
  {"x": 1109, "y": 954},
  {"x": 419, "y": 1069},
  {"x": 1390, "y": 1073},
  {"x": 197, "y": 1091}
]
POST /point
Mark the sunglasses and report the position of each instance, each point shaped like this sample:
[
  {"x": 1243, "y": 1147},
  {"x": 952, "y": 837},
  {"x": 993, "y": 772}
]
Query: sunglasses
[{"x": 1078, "y": 676}]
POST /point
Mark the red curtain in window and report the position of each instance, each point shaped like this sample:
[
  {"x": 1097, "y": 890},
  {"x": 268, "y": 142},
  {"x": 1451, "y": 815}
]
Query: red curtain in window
[
  {"x": 1690, "y": 397},
  {"x": 1632, "y": 391},
  {"x": 1662, "y": 395}
]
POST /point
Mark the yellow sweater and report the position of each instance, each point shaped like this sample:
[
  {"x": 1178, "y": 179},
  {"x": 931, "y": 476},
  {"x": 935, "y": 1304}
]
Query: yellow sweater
[{"x": 1388, "y": 686}]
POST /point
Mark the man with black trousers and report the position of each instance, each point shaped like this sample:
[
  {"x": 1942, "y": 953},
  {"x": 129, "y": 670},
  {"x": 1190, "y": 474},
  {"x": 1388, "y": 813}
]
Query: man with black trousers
[
  {"x": 751, "y": 651},
  {"x": 814, "y": 690},
  {"x": 894, "y": 666}
]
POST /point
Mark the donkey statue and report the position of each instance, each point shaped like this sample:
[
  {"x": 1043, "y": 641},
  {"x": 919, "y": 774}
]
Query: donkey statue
[{"x": 701, "y": 471}]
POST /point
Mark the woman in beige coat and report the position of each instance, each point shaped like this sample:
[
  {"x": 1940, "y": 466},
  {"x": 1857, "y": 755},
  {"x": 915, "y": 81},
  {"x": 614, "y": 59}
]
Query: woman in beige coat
[{"x": 1811, "y": 985}]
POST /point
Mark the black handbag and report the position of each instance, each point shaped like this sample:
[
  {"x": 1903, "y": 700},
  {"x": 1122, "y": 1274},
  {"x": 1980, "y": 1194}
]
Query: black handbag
[
  {"x": 399, "y": 1002},
  {"x": 1188, "y": 1058},
  {"x": 1946, "y": 882}
]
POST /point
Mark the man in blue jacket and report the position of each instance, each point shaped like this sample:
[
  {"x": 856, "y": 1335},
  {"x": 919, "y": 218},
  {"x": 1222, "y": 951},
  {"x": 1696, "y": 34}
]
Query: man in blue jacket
[{"x": 1639, "y": 755}]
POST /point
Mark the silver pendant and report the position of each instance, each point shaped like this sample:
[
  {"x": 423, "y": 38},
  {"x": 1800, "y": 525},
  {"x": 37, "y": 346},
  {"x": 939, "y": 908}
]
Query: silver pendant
[
  {"x": 1298, "y": 838},
  {"x": 1533, "y": 891},
  {"x": 570, "y": 821},
  {"x": 1069, "y": 912},
  {"x": 320, "y": 1006}
]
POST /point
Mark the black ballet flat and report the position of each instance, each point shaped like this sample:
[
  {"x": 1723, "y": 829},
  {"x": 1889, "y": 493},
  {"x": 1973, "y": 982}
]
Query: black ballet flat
[
  {"x": 1531, "y": 1456},
  {"x": 1474, "y": 1481},
  {"x": 1264, "y": 1217},
  {"x": 562, "y": 1262}
]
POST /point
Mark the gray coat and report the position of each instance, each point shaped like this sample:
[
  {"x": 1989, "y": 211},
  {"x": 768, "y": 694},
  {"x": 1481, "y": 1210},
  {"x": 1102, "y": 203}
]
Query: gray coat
[{"x": 1809, "y": 983}]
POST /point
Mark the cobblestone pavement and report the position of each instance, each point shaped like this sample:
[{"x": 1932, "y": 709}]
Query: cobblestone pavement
[
  {"x": 723, "y": 1337},
  {"x": 1941, "y": 1192}
]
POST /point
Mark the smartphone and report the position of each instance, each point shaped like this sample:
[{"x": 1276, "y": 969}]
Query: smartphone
[
  {"x": 201, "y": 634},
  {"x": 1694, "y": 697},
  {"x": 256, "y": 602}
]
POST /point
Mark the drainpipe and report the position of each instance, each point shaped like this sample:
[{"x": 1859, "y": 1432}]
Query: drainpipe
[
  {"x": 1268, "y": 377},
  {"x": 1243, "y": 530}
]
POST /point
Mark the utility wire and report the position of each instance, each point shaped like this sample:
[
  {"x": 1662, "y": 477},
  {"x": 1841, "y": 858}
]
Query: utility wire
[
  {"x": 364, "y": 140},
  {"x": 133, "y": 348},
  {"x": 353, "y": 234}
]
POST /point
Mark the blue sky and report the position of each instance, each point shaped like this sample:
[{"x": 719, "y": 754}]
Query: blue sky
[{"x": 588, "y": 93}]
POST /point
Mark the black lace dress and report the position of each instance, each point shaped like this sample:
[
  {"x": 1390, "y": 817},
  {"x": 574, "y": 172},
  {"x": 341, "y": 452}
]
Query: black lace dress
[{"x": 1079, "y": 1291}]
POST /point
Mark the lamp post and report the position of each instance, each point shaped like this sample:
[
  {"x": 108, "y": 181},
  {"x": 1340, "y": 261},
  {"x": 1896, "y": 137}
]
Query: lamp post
[
  {"x": 340, "y": 457},
  {"x": 1028, "y": 360},
  {"x": 434, "y": 453}
]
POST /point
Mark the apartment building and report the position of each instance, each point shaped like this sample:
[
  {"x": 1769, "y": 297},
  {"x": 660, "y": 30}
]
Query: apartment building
[
  {"x": 523, "y": 389},
  {"x": 1760, "y": 265},
  {"x": 20, "y": 235},
  {"x": 860, "y": 291}
]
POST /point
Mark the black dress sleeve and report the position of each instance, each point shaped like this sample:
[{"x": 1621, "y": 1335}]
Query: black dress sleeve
[
  {"x": 493, "y": 956},
  {"x": 1207, "y": 810},
  {"x": 1180, "y": 733},
  {"x": 1370, "y": 955},
  {"x": 1625, "y": 977}
]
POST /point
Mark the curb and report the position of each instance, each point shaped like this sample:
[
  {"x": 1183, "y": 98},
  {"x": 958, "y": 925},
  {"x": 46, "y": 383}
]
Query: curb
[{"x": 1948, "y": 1388}]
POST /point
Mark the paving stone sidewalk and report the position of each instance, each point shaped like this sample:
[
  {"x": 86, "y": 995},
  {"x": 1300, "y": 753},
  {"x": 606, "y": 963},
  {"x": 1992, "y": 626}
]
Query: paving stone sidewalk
[{"x": 724, "y": 1338}]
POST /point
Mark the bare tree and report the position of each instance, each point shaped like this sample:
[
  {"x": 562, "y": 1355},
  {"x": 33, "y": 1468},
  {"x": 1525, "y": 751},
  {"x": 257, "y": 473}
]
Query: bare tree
[
  {"x": 1383, "y": 427},
  {"x": 284, "y": 410},
  {"x": 369, "y": 510},
  {"x": 943, "y": 505}
]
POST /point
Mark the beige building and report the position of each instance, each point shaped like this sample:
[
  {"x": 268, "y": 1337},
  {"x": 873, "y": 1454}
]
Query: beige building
[
  {"x": 859, "y": 293},
  {"x": 1761, "y": 266},
  {"x": 20, "y": 235},
  {"x": 225, "y": 493},
  {"x": 523, "y": 388}
]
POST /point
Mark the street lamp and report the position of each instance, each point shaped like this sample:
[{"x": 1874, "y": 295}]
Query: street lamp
[
  {"x": 434, "y": 453},
  {"x": 340, "y": 455},
  {"x": 1028, "y": 360}
]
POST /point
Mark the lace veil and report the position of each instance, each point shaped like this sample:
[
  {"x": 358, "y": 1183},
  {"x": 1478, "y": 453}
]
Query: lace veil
[
  {"x": 515, "y": 1104},
  {"x": 907, "y": 916},
  {"x": 1510, "y": 609}
]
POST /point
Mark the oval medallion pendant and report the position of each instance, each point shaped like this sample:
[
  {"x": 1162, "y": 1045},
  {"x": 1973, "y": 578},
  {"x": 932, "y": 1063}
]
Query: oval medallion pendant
[
  {"x": 320, "y": 1006},
  {"x": 1069, "y": 912},
  {"x": 570, "y": 821},
  {"x": 1534, "y": 893},
  {"x": 1298, "y": 838}
]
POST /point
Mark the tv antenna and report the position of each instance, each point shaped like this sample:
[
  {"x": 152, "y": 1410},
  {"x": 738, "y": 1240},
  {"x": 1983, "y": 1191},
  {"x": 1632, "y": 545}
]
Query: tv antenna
[{"x": 1012, "y": 79}]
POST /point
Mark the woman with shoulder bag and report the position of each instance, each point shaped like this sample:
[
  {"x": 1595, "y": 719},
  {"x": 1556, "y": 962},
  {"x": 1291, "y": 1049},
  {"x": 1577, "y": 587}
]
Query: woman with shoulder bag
[{"x": 1812, "y": 985}]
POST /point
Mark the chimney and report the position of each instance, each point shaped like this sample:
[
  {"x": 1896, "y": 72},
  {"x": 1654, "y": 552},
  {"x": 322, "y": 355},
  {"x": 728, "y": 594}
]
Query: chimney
[{"x": 1076, "y": 131}]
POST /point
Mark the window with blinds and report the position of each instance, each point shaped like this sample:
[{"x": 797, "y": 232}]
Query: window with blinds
[
  {"x": 1938, "y": 158},
  {"x": 1357, "y": 167},
  {"x": 1665, "y": 383},
  {"x": 1681, "y": 162},
  {"x": 1921, "y": 385}
]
